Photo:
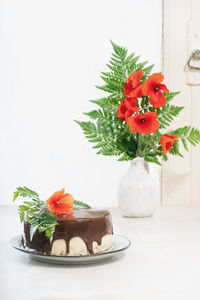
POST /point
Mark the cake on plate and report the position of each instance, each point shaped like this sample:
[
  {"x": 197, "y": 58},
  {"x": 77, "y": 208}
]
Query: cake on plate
[
  {"x": 63, "y": 226},
  {"x": 83, "y": 232}
]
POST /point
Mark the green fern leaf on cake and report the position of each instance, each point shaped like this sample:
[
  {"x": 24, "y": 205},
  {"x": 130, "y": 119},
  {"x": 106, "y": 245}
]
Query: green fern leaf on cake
[
  {"x": 79, "y": 204},
  {"x": 24, "y": 192},
  {"x": 42, "y": 216}
]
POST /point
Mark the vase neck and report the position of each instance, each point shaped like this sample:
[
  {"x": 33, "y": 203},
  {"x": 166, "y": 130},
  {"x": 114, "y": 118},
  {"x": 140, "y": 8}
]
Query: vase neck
[{"x": 139, "y": 162}]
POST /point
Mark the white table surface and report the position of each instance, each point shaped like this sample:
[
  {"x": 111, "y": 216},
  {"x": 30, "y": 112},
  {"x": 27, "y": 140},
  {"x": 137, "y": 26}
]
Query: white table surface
[{"x": 162, "y": 263}]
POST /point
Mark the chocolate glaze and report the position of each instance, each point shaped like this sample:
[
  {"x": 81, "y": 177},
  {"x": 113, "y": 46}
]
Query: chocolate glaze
[{"x": 90, "y": 225}]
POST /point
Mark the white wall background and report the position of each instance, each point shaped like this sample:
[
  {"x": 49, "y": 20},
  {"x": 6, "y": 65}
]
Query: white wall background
[{"x": 51, "y": 56}]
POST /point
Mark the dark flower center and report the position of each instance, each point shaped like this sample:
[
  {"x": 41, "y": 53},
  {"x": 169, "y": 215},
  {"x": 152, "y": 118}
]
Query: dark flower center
[
  {"x": 156, "y": 88},
  {"x": 142, "y": 121},
  {"x": 168, "y": 145}
]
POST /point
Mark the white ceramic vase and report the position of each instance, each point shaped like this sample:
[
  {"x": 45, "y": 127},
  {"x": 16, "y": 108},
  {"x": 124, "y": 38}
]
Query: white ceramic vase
[{"x": 137, "y": 191}]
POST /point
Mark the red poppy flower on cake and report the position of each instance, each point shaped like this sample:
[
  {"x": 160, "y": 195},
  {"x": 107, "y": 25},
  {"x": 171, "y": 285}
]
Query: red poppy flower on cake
[{"x": 61, "y": 203}]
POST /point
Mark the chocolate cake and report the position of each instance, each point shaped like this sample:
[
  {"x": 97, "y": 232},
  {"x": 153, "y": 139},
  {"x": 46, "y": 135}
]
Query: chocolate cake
[{"x": 83, "y": 232}]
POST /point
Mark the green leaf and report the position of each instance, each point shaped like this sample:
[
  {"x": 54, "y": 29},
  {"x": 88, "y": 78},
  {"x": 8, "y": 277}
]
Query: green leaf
[
  {"x": 120, "y": 51},
  {"x": 127, "y": 143},
  {"x": 35, "y": 212},
  {"x": 110, "y": 88},
  {"x": 170, "y": 96},
  {"x": 175, "y": 149},
  {"x": 187, "y": 133},
  {"x": 87, "y": 126},
  {"x": 152, "y": 159},
  {"x": 22, "y": 209},
  {"x": 25, "y": 192},
  {"x": 148, "y": 70},
  {"x": 93, "y": 114},
  {"x": 184, "y": 142},
  {"x": 125, "y": 157},
  {"x": 78, "y": 203},
  {"x": 167, "y": 114},
  {"x": 15, "y": 195}
]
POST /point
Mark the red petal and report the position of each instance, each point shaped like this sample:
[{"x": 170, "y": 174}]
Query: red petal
[
  {"x": 131, "y": 103},
  {"x": 156, "y": 77},
  {"x": 136, "y": 93},
  {"x": 164, "y": 88},
  {"x": 157, "y": 99},
  {"x": 121, "y": 110},
  {"x": 135, "y": 78},
  {"x": 132, "y": 83},
  {"x": 127, "y": 88}
]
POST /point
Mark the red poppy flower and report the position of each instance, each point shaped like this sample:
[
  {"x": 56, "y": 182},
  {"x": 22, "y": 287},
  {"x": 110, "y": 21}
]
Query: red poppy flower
[
  {"x": 167, "y": 141},
  {"x": 146, "y": 124},
  {"x": 153, "y": 88},
  {"x": 133, "y": 87},
  {"x": 127, "y": 107},
  {"x": 61, "y": 203}
]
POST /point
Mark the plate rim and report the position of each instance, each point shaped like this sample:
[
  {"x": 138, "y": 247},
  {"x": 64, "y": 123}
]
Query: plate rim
[{"x": 71, "y": 257}]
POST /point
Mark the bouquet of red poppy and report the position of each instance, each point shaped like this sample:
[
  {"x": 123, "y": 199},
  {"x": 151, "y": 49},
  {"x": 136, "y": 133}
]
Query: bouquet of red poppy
[{"x": 131, "y": 121}]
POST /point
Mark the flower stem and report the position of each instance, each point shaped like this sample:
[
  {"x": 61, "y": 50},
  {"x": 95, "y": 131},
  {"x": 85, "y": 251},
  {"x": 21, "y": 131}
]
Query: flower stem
[{"x": 138, "y": 145}]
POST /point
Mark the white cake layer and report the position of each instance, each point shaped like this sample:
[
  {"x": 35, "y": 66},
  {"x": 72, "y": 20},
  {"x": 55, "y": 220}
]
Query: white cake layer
[{"x": 78, "y": 247}]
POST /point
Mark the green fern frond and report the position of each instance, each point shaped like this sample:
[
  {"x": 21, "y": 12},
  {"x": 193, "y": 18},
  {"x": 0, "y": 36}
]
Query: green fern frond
[
  {"x": 94, "y": 114},
  {"x": 148, "y": 70},
  {"x": 109, "y": 104},
  {"x": 109, "y": 151},
  {"x": 87, "y": 127},
  {"x": 152, "y": 159},
  {"x": 184, "y": 142},
  {"x": 125, "y": 157},
  {"x": 167, "y": 113},
  {"x": 116, "y": 78},
  {"x": 103, "y": 134},
  {"x": 25, "y": 192},
  {"x": 194, "y": 136},
  {"x": 170, "y": 96},
  {"x": 175, "y": 149},
  {"x": 117, "y": 71},
  {"x": 79, "y": 204},
  {"x": 107, "y": 88},
  {"x": 118, "y": 84},
  {"x": 187, "y": 133},
  {"x": 119, "y": 51}
]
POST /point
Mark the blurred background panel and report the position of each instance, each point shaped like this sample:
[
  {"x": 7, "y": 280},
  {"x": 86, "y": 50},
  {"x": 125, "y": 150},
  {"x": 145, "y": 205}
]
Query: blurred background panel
[
  {"x": 180, "y": 176},
  {"x": 51, "y": 54}
]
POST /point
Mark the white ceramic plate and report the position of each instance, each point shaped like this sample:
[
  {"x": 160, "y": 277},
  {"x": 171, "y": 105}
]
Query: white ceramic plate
[{"x": 119, "y": 244}]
